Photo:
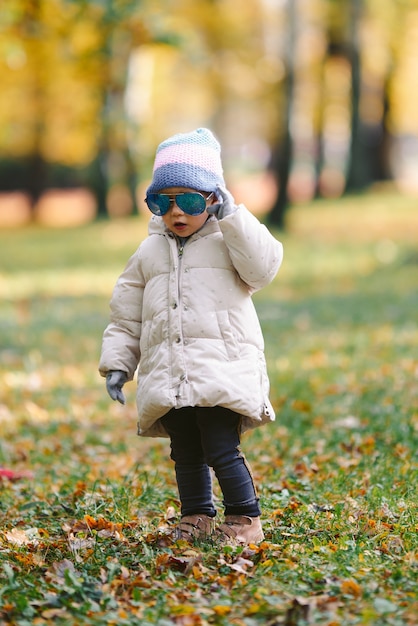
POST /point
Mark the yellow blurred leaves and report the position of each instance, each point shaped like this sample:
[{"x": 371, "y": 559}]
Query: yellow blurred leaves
[
  {"x": 84, "y": 37},
  {"x": 52, "y": 80},
  {"x": 221, "y": 609}
]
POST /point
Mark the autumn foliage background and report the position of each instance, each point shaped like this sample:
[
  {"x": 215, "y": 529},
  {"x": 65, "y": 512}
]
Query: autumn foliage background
[
  {"x": 85, "y": 503},
  {"x": 309, "y": 98}
]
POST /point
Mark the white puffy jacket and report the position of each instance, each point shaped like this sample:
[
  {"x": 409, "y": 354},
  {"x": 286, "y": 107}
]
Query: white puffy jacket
[{"x": 185, "y": 317}]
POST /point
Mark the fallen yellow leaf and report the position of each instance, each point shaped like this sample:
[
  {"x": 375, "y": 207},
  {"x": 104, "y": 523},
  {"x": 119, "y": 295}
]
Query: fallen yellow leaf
[
  {"x": 351, "y": 588},
  {"x": 221, "y": 609}
]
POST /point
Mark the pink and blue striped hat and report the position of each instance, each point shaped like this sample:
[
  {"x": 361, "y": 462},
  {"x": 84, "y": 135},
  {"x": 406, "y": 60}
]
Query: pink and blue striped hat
[{"x": 188, "y": 160}]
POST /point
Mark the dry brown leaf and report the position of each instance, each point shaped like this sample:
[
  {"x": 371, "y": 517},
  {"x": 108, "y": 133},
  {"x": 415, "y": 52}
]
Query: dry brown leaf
[
  {"x": 54, "y": 613},
  {"x": 170, "y": 514},
  {"x": 19, "y": 537},
  {"x": 56, "y": 572},
  {"x": 241, "y": 565},
  {"x": 184, "y": 563},
  {"x": 302, "y": 608}
]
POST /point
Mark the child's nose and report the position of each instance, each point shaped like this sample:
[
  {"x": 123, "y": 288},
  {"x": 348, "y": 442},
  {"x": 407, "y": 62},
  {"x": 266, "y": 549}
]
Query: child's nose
[{"x": 174, "y": 207}]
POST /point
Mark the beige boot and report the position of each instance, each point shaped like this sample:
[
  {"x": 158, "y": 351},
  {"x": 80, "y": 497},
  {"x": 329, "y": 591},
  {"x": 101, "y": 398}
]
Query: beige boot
[
  {"x": 193, "y": 527},
  {"x": 240, "y": 530}
]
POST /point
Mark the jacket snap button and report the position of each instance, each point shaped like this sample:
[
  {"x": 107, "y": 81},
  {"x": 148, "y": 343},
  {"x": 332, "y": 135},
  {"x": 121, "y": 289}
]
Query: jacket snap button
[{"x": 178, "y": 340}]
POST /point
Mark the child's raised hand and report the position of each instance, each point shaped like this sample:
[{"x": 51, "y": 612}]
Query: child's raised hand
[
  {"x": 114, "y": 383},
  {"x": 225, "y": 205}
]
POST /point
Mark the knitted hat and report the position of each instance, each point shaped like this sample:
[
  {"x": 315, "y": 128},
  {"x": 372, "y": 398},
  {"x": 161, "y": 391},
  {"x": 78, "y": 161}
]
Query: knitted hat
[{"x": 188, "y": 160}]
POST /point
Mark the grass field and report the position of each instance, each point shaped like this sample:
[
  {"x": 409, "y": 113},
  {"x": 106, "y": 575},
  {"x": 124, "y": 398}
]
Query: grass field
[{"x": 337, "y": 471}]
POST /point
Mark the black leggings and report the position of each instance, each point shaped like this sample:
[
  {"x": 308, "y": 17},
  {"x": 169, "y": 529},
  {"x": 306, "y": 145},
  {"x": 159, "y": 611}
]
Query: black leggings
[{"x": 204, "y": 437}]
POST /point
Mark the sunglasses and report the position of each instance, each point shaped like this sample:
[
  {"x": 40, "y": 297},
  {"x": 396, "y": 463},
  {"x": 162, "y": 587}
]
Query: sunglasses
[{"x": 192, "y": 203}]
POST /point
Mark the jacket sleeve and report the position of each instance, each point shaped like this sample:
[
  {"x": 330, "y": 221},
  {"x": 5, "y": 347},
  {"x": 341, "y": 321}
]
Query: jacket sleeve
[
  {"x": 254, "y": 252},
  {"x": 120, "y": 346}
]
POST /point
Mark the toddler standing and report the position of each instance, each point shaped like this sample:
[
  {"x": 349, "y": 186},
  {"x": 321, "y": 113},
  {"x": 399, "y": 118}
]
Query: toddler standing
[{"x": 183, "y": 317}]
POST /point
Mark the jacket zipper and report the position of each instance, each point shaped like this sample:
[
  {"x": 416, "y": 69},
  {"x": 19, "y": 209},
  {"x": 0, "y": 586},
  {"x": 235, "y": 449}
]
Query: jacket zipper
[{"x": 180, "y": 256}]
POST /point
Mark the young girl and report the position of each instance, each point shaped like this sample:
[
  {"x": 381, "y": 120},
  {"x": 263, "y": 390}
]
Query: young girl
[{"x": 182, "y": 313}]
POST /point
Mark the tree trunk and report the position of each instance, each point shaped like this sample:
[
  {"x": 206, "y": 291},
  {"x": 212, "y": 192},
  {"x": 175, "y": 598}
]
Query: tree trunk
[
  {"x": 355, "y": 172},
  {"x": 282, "y": 160}
]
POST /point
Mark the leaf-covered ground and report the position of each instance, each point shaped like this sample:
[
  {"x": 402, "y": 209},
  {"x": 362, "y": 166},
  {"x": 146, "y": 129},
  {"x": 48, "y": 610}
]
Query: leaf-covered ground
[{"x": 83, "y": 515}]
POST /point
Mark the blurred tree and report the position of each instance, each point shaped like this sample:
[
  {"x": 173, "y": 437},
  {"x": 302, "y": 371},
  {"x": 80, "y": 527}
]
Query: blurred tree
[
  {"x": 283, "y": 151},
  {"x": 348, "y": 152},
  {"x": 345, "y": 40},
  {"x": 121, "y": 30},
  {"x": 220, "y": 73},
  {"x": 318, "y": 84},
  {"x": 64, "y": 67}
]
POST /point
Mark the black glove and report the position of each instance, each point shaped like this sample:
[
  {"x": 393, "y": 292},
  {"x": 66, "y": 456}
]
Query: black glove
[
  {"x": 114, "y": 383},
  {"x": 225, "y": 206}
]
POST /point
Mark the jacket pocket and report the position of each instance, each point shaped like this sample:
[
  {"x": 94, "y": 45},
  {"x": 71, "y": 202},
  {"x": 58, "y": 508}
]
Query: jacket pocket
[
  {"x": 228, "y": 335},
  {"x": 152, "y": 339}
]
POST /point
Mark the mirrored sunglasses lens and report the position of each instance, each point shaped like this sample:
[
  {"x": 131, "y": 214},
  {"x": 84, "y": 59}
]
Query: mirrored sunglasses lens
[
  {"x": 191, "y": 203},
  {"x": 158, "y": 203}
]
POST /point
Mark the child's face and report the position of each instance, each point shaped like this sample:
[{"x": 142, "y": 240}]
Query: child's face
[{"x": 181, "y": 223}]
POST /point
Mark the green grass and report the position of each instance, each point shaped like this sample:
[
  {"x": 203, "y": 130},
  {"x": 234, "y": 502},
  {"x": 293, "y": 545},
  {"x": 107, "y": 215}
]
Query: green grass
[{"x": 337, "y": 471}]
